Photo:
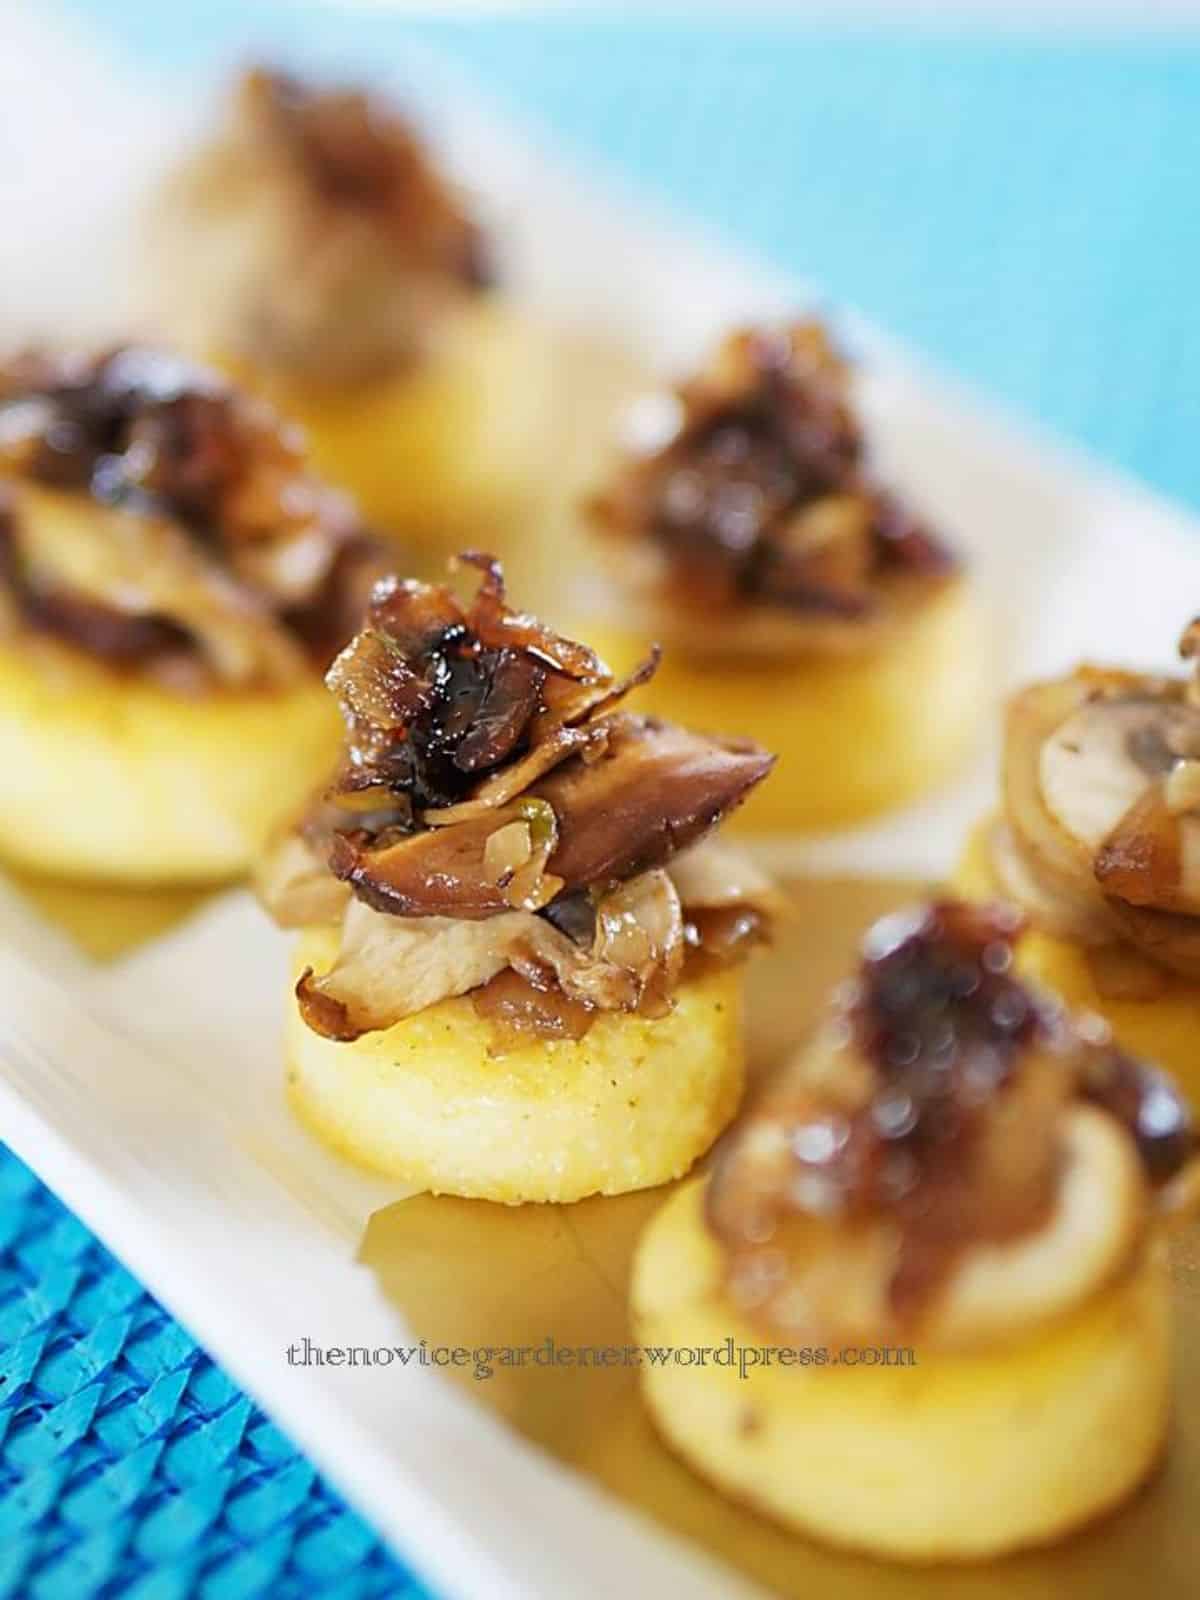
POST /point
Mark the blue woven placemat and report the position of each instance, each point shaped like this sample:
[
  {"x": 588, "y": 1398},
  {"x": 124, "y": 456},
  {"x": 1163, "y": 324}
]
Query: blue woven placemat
[
  {"x": 1022, "y": 210},
  {"x": 130, "y": 1464}
]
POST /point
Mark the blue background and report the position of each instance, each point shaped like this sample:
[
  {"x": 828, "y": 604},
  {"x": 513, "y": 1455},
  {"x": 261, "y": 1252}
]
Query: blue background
[{"x": 1023, "y": 210}]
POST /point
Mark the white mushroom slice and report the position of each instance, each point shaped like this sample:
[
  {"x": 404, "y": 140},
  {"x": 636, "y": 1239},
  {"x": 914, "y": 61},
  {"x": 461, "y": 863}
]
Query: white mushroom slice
[
  {"x": 1055, "y": 909},
  {"x": 1102, "y": 761},
  {"x": 389, "y": 967},
  {"x": 999, "y": 1289},
  {"x": 149, "y": 566},
  {"x": 295, "y": 885},
  {"x": 1090, "y": 770},
  {"x": 839, "y": 1277},
  {"x": 715, "y": 873}
]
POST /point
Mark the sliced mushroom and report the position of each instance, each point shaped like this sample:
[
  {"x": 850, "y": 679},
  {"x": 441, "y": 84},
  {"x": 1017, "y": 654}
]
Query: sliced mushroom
[
  {"x": 295, "y": 886},
  {"x": 1101, "y": 761},
  {"x": 1043, "y": 846},
  {"x": 1094, "y": 848},
  {"x": 440, "y": 872},
  {"x": 1104, "y": 775},
  {"x": 1081, "y": 917},
  {"x": 717, "y": 875},
  {"x": 389, "y": 968},
  {"x": 639, "y": 927},
  {"x": 654, "y": 790}
]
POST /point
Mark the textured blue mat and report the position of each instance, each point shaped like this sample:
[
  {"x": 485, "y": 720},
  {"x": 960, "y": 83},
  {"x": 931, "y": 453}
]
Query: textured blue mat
[
  {"x": 130, "y": 1465},
  {"x": 1025, "y": 212}
]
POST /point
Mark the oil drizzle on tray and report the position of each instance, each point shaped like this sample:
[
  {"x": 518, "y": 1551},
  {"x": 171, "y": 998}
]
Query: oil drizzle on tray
[{"x": 464, "y": 1272}]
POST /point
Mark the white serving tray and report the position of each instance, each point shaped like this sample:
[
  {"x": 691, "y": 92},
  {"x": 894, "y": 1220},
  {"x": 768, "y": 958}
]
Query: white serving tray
[{"x": 147, "y": 1091}]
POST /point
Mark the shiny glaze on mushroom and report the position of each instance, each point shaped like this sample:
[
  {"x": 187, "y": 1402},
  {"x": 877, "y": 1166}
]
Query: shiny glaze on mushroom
[
  {"x": 746, "y": 505},
  {"x": 950, "y": 1149},
  {"x": 502, "y": 824},
  {"x": 1100, "y": 833}
]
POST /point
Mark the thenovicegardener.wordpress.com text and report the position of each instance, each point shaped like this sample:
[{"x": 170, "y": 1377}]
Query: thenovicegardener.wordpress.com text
[{"x": 484, "y": 1361}]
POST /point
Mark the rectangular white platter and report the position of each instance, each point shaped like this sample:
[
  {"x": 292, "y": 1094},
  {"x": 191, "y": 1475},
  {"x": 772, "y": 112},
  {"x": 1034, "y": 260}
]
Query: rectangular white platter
[{"x": 147, "y": 1090}]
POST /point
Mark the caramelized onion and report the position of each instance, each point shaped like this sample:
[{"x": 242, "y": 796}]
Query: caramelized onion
[
  {"x": 720, "y": 936},
  {"x": 532, "y": 886},
  {"x": 506, "y": 851},
  {"x": 573, "y": 721},
  {"x": 1140, "y": 861},
  {"x": 520, "y": 1013},
  {"x": 935, "y": 1124},
  {"x": 759, "y": 500},
  {"x": 156, "y": 512},
  {"x": 461, "y": 708},
  {"x": 639, "y": 928},
  {"x": 500, "y": 628},
  {"x": 1182, "y": 792}
]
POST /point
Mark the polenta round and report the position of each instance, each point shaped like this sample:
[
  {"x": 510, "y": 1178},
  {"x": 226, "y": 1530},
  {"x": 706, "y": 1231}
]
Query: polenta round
[
  {"x": 433, "y": 451},
  {"x": 109, "y": 776},
  {"x": 958, "y": 1457},
  {"x": 632, "y": 1104},
  {"x": 856, "y": 734}
]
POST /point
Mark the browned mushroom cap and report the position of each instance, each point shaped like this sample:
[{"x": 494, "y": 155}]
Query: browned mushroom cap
[
  {"x": 441, "y": 872},
  {"x": 654, "y": 790}
]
